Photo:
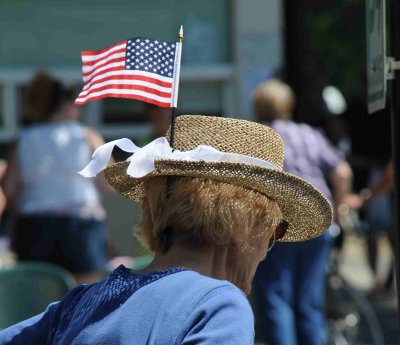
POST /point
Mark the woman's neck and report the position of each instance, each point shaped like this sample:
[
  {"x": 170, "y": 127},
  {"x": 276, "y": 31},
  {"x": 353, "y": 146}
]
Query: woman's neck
[
  {"x": 223, "y": 263},
  {"x": 207, "y": 260}
]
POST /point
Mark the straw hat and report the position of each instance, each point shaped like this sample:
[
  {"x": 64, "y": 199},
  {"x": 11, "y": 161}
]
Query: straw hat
[{"x": 304, "y": 207}]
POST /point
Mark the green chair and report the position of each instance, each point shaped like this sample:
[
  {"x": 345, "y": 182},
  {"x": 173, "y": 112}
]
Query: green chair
[{"x": 27, "y": 288}]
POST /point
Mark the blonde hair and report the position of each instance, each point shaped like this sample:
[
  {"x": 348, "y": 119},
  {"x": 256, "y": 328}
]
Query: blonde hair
[
  {"x": 202, "y": 211},
  {"x": 273, "y": 100}
]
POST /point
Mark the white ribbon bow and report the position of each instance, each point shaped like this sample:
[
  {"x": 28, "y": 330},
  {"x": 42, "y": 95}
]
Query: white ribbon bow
[{"x": 142, "y": 160}]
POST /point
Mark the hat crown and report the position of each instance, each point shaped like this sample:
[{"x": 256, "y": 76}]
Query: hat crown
[{"x": 229, "y": 135}]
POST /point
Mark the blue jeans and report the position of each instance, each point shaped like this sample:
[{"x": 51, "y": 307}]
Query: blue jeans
[
  {"x": 79, "y": 245},
  {"x": 290, "y": 290}
]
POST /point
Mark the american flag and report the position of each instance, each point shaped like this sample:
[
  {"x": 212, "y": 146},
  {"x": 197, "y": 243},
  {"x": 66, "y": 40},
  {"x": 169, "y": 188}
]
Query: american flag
[{"x": 139, "y": 68}]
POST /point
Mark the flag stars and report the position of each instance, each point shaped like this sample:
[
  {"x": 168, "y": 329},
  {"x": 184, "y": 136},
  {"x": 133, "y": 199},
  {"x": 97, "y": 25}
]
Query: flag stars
[{"x": 151, "y": 56}]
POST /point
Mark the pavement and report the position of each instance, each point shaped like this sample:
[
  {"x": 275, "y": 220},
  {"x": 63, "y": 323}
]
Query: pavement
[{"x": 353, "y": 267}]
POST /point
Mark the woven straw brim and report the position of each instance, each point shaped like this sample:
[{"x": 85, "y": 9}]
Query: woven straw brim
[{"x": 303, "y": 206}]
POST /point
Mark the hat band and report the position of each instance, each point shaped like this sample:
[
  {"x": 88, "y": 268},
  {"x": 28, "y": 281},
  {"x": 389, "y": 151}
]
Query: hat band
[{"x": 142, "y": 160}]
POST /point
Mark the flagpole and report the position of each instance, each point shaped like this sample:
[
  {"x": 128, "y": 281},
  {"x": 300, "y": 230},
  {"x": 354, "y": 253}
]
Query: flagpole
[
  {"x": 175, "y": 104},
  {"x": 173, "y": 117},
  {"x": 172, "y": 134}
]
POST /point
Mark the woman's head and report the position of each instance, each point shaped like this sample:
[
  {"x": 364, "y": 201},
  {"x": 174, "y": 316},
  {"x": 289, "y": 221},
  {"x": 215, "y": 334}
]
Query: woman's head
[
  {"x": 205, "y": 212},
  {"x": 233, "y": 221},
  {"x": 46, "y": 97},
  {"x": 273, "y": 100}
]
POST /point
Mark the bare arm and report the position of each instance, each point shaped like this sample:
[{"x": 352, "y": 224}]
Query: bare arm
[
  {"x": 95, "y": 140},
  {"x": 11, "y": 183},
  {"x": 341, "y": 180}
]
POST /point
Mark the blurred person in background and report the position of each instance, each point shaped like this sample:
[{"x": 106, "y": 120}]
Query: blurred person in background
[
  {"x": 58, "y": 214},
  {"x": 378, "y": 208},
  {"x": 160, "y": 119},
  {"x": 290, "y": 283},
  {"x": 3, "y": 201},
  {"x": 5, "y": 255}
]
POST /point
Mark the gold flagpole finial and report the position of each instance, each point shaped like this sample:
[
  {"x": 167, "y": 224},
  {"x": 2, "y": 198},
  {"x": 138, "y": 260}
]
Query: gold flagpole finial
[{"x": 180, "y": 35}]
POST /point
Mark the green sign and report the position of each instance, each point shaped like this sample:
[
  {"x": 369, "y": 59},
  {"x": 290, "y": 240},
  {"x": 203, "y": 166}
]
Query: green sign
[{"x": 376, "y": 54}]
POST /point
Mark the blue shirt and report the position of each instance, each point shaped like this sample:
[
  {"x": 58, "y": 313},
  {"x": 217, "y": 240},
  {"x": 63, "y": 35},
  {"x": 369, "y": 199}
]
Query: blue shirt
[
  {"x": 308, "y": 153},
  {"x": 175, "y": 306}
]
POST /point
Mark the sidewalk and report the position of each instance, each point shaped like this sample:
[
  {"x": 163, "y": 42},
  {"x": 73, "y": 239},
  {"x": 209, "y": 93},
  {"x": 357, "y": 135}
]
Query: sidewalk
[{"x": 353, "y": 266}]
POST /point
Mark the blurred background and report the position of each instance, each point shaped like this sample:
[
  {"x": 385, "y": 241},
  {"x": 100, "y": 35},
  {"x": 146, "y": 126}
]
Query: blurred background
[{"x": 230, "y": 46}]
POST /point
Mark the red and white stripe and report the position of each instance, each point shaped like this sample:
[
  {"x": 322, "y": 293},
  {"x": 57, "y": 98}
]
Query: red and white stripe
[{"x": 105, "y": 75}]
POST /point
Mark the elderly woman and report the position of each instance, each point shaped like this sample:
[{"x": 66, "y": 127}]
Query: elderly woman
[{"x": 209, "y": 210}]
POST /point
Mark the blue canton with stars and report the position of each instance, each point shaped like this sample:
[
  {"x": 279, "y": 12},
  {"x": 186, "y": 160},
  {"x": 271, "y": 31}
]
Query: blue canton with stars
[{"x": 148, "y": 55}]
